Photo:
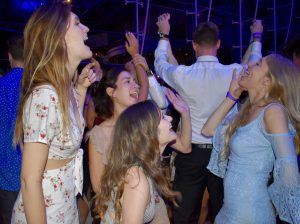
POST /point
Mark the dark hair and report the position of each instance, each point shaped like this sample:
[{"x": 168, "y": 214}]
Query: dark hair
[
  {"x": 104, "y": 106},
  {"x": 15, "y": 46},
  {"x": 135, "y": 143},
  {"x": 206, "y": 34}
]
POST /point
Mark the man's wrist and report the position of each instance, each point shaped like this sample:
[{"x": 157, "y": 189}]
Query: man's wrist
[{"x": 163, "y": 35}]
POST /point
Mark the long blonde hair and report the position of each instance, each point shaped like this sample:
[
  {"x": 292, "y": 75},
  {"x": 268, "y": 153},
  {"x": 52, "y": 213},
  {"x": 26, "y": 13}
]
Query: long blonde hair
[
  {"x": 285, "y": 77},
  {"x": 135, "y": 143},
  {"x": 45, "y": 58}
]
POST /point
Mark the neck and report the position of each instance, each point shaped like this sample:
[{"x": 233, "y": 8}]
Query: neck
[
  {"x": 118, "y": 109},
  {"x": 257, "y": 99},
  {"x": 72, "y": 68},
  {"x": 206, "y": 51},
  {"x": 17, "y": 64}
]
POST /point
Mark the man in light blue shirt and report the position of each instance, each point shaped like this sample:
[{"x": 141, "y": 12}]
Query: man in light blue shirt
[{"x": 203, "y": 85}]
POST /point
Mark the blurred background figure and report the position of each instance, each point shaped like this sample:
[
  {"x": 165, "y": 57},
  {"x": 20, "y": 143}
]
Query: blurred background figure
[{"x": 10, "y": 157}]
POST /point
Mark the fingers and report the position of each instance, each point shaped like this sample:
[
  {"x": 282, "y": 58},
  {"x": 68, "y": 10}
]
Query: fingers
[
  {"x": 92, "y": 77},
  {"x": 162, "y": 17},
  {"x": 171, "y": 96},
  {"x": 234, "y": 74}
]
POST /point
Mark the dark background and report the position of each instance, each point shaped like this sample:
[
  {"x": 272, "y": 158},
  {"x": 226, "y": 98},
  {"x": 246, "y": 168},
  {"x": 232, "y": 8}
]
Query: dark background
[{"x": 109, "y": 19}]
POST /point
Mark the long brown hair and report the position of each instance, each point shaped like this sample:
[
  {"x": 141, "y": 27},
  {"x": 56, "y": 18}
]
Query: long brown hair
[
  {"x": 135, "y": 143},
  {"x": 45, "y": 58},
  {"x": 285, "y": 77}
]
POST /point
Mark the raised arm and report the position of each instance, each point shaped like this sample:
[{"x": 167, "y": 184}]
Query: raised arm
[
  {"x": 253, "y": 52},
  {"x": 132, "y": 48},
  {"x": 165, "y": 63},
  {"x": 231, "y": 98},
  {"x": 184, "y": 139},
  {"x": 85, "y": 79}
]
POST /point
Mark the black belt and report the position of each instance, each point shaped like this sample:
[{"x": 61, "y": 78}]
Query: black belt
[{"x": 202, "y": 146}]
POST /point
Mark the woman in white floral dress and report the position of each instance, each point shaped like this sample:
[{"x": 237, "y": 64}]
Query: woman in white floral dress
[{"x": 50, "y": 123}]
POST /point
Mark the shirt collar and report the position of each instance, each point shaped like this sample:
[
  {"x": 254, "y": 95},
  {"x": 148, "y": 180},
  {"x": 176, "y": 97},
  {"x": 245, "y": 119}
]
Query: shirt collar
[
  {"x": 207, "y": 58},
  {"x": 17, "y": 69}
]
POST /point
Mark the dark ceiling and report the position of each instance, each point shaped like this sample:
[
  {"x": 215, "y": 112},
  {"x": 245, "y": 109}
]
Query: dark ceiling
[{"x": 109, "y": 19}]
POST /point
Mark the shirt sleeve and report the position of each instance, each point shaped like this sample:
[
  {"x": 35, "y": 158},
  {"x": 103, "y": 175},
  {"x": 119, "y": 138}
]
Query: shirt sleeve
[
  {"x": 41, "y": 120},
  {"x": 255, "y": 53},
  {"x": 285, "y": 189},
  {"x": 170, "y": 73},
  {"x": 156, "y": 93},
  {"x": 218, "y": 163}
]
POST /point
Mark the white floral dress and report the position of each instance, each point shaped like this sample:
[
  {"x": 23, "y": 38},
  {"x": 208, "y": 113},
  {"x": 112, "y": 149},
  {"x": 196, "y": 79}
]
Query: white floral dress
[{"x": 42, "y": 122}]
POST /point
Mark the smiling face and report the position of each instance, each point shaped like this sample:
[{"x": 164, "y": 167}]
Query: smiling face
[
  {"x": 165, "y": 131},
  {"x": 126, "y": 92},
  {"x": 75, "y": 37},
  {"x": 255, "y": 77}
]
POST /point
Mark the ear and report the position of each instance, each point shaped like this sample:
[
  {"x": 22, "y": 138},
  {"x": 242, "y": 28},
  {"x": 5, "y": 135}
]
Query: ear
[
  {"x": 267, "y": 82},
  {"x": 195, "y": 46},
  {"x": 110, "y": 91},
  {"x": 10, "y": 58},
  {"x": 218, "y": 44}
]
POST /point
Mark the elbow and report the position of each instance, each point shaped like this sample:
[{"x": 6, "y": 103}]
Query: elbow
[
  {"x": 187, "y": 149},
  {"x": 29, "y": 184},
  {"x": 207, "y": 132}
]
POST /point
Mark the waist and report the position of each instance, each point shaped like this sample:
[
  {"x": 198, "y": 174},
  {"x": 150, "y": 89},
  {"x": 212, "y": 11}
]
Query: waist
[
  {"x": 55, "y": 163},
  {"x": 202, "y": 146}
]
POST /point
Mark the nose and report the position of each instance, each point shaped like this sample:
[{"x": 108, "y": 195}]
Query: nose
[
  {"x": 135, "y": 85},
  {"x": 85, "y": 28}
]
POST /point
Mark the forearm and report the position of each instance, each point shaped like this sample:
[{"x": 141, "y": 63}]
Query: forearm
[
  {"x": 171, "y": 58},
  {"x": 215, "y": 119},
  {"x": 183, "y": 141},
  {"x": 143, "y": 82},
  {"x": 33, "y": 200},
  {"x": 81, "y": 94},
  {"x": 186, "y": 132}
]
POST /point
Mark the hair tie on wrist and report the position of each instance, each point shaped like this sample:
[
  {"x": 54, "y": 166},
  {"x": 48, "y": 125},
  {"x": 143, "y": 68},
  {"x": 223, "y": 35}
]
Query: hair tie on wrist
[
  {"x": 228, "y": 95},
  {"x": 257, "y": 35}
]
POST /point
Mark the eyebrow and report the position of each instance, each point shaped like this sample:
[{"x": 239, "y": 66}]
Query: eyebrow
[{"x": 125, "y": 78}]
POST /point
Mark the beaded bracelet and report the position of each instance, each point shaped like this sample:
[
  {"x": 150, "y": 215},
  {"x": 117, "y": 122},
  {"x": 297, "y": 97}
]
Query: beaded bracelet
[{"x": 228, "y": 95}]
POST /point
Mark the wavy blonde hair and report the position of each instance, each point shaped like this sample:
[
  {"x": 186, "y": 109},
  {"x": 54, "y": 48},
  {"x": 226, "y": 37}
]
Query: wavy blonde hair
[
  {"x": 285, "y": 77},
  {"x": 135, "y": 143},
  {"x": 45, "y": 58}
]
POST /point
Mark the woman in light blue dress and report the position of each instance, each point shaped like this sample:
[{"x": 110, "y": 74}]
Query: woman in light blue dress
[{"x": 255, "y": 148}]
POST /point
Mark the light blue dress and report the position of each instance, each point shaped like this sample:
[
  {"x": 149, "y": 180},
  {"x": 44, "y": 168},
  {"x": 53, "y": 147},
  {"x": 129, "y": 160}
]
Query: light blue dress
[{"x": 254, "y": 157}]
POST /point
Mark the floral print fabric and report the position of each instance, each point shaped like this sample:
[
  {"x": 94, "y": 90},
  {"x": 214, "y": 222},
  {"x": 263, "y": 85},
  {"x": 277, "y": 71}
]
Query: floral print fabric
[{"x": 59, "y": 196}]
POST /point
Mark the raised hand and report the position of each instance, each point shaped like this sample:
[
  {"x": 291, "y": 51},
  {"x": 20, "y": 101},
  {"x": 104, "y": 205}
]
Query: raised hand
[
  {"x": 97, "y": 68},
  {"x": 256, "y": 27},
  {"x": 132, "y": 44},
  {"x": 163, "y": 23},
  {"x": 87, "y": 76},
  {"x": 234, "y": 88},
  {"x": 179, "y": 104}
]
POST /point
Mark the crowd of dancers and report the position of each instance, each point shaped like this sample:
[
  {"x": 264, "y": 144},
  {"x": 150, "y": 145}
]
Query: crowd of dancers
[{"x": 242, "y": 149}]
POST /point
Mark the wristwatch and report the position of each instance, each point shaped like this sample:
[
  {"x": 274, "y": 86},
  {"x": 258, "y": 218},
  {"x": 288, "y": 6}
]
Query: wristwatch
[
  {"x": 162, "y": 35},
  {"x": 149, "y": 73}
]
